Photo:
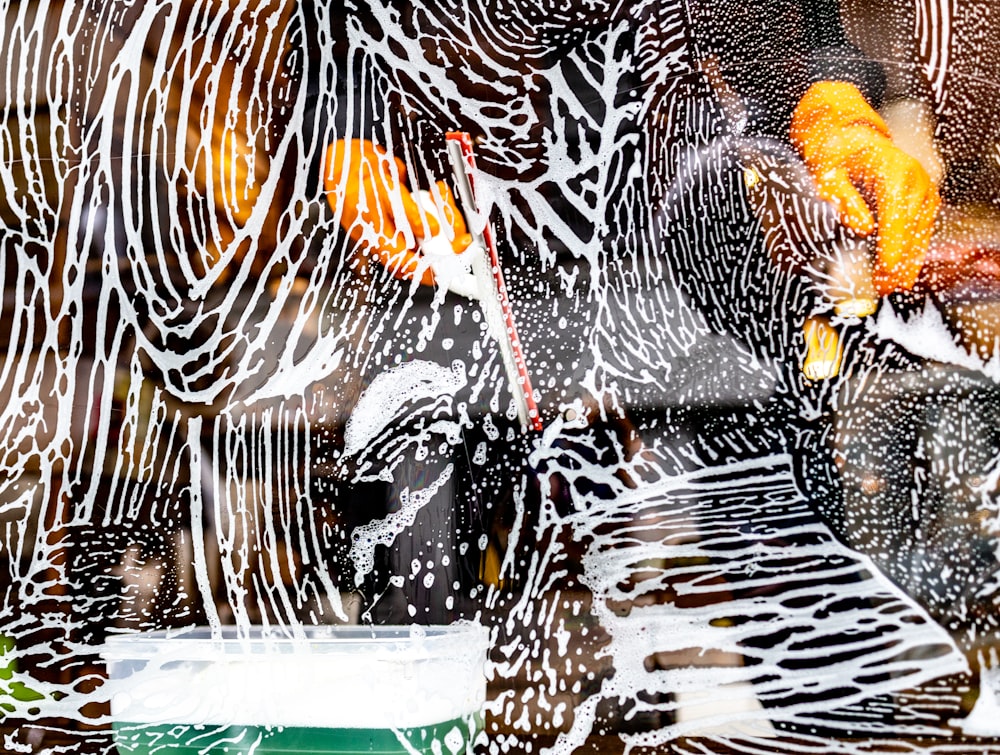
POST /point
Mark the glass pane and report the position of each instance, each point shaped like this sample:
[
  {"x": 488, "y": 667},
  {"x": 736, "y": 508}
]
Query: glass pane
[{"x": 602, "y": 376}]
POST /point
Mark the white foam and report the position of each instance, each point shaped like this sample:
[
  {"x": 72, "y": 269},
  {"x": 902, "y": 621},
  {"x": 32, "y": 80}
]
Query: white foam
[
  {"x": 391, "y": 391},
  {"x": 360, "y": 685},
  {"x": 927, "y": 335},
  {"x": 451, "y": 271}
]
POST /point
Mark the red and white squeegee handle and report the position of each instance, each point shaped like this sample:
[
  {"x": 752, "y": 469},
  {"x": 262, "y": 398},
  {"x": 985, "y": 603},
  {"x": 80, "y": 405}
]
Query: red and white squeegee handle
[{"x": 495, "y": 302}]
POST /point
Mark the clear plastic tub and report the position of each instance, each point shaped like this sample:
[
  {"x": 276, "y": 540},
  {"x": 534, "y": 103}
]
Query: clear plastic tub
[{"x": 343, "y": 689}]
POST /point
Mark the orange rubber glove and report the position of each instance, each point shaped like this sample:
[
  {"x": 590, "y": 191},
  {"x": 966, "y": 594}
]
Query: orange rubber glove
[
  {"x": 369, "y": 188},
  {"x": 847, "y": 147}
]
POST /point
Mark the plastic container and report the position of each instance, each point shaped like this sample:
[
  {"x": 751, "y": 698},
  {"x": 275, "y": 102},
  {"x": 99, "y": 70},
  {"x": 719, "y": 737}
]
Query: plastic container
[{"x": 343, "y": 689}]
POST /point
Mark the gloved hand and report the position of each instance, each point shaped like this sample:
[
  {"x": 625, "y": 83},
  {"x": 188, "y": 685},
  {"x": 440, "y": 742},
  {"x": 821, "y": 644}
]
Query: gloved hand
[
  {"x": 848, "y": 149},
  {"x": 377, "y": 209}
]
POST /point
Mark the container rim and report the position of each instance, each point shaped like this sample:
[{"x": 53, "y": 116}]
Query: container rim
[{"x": 201, "y": 642}]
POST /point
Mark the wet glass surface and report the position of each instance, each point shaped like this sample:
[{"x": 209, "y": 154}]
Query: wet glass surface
[{"x": 682, "y": 379}]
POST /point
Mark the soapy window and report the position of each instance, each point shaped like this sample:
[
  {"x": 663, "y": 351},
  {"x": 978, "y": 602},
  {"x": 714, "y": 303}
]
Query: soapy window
[{"x": 659, "y": 339}]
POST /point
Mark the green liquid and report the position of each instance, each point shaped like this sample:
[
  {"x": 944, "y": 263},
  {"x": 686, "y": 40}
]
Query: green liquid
[{"x": 448, "y": 738}]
